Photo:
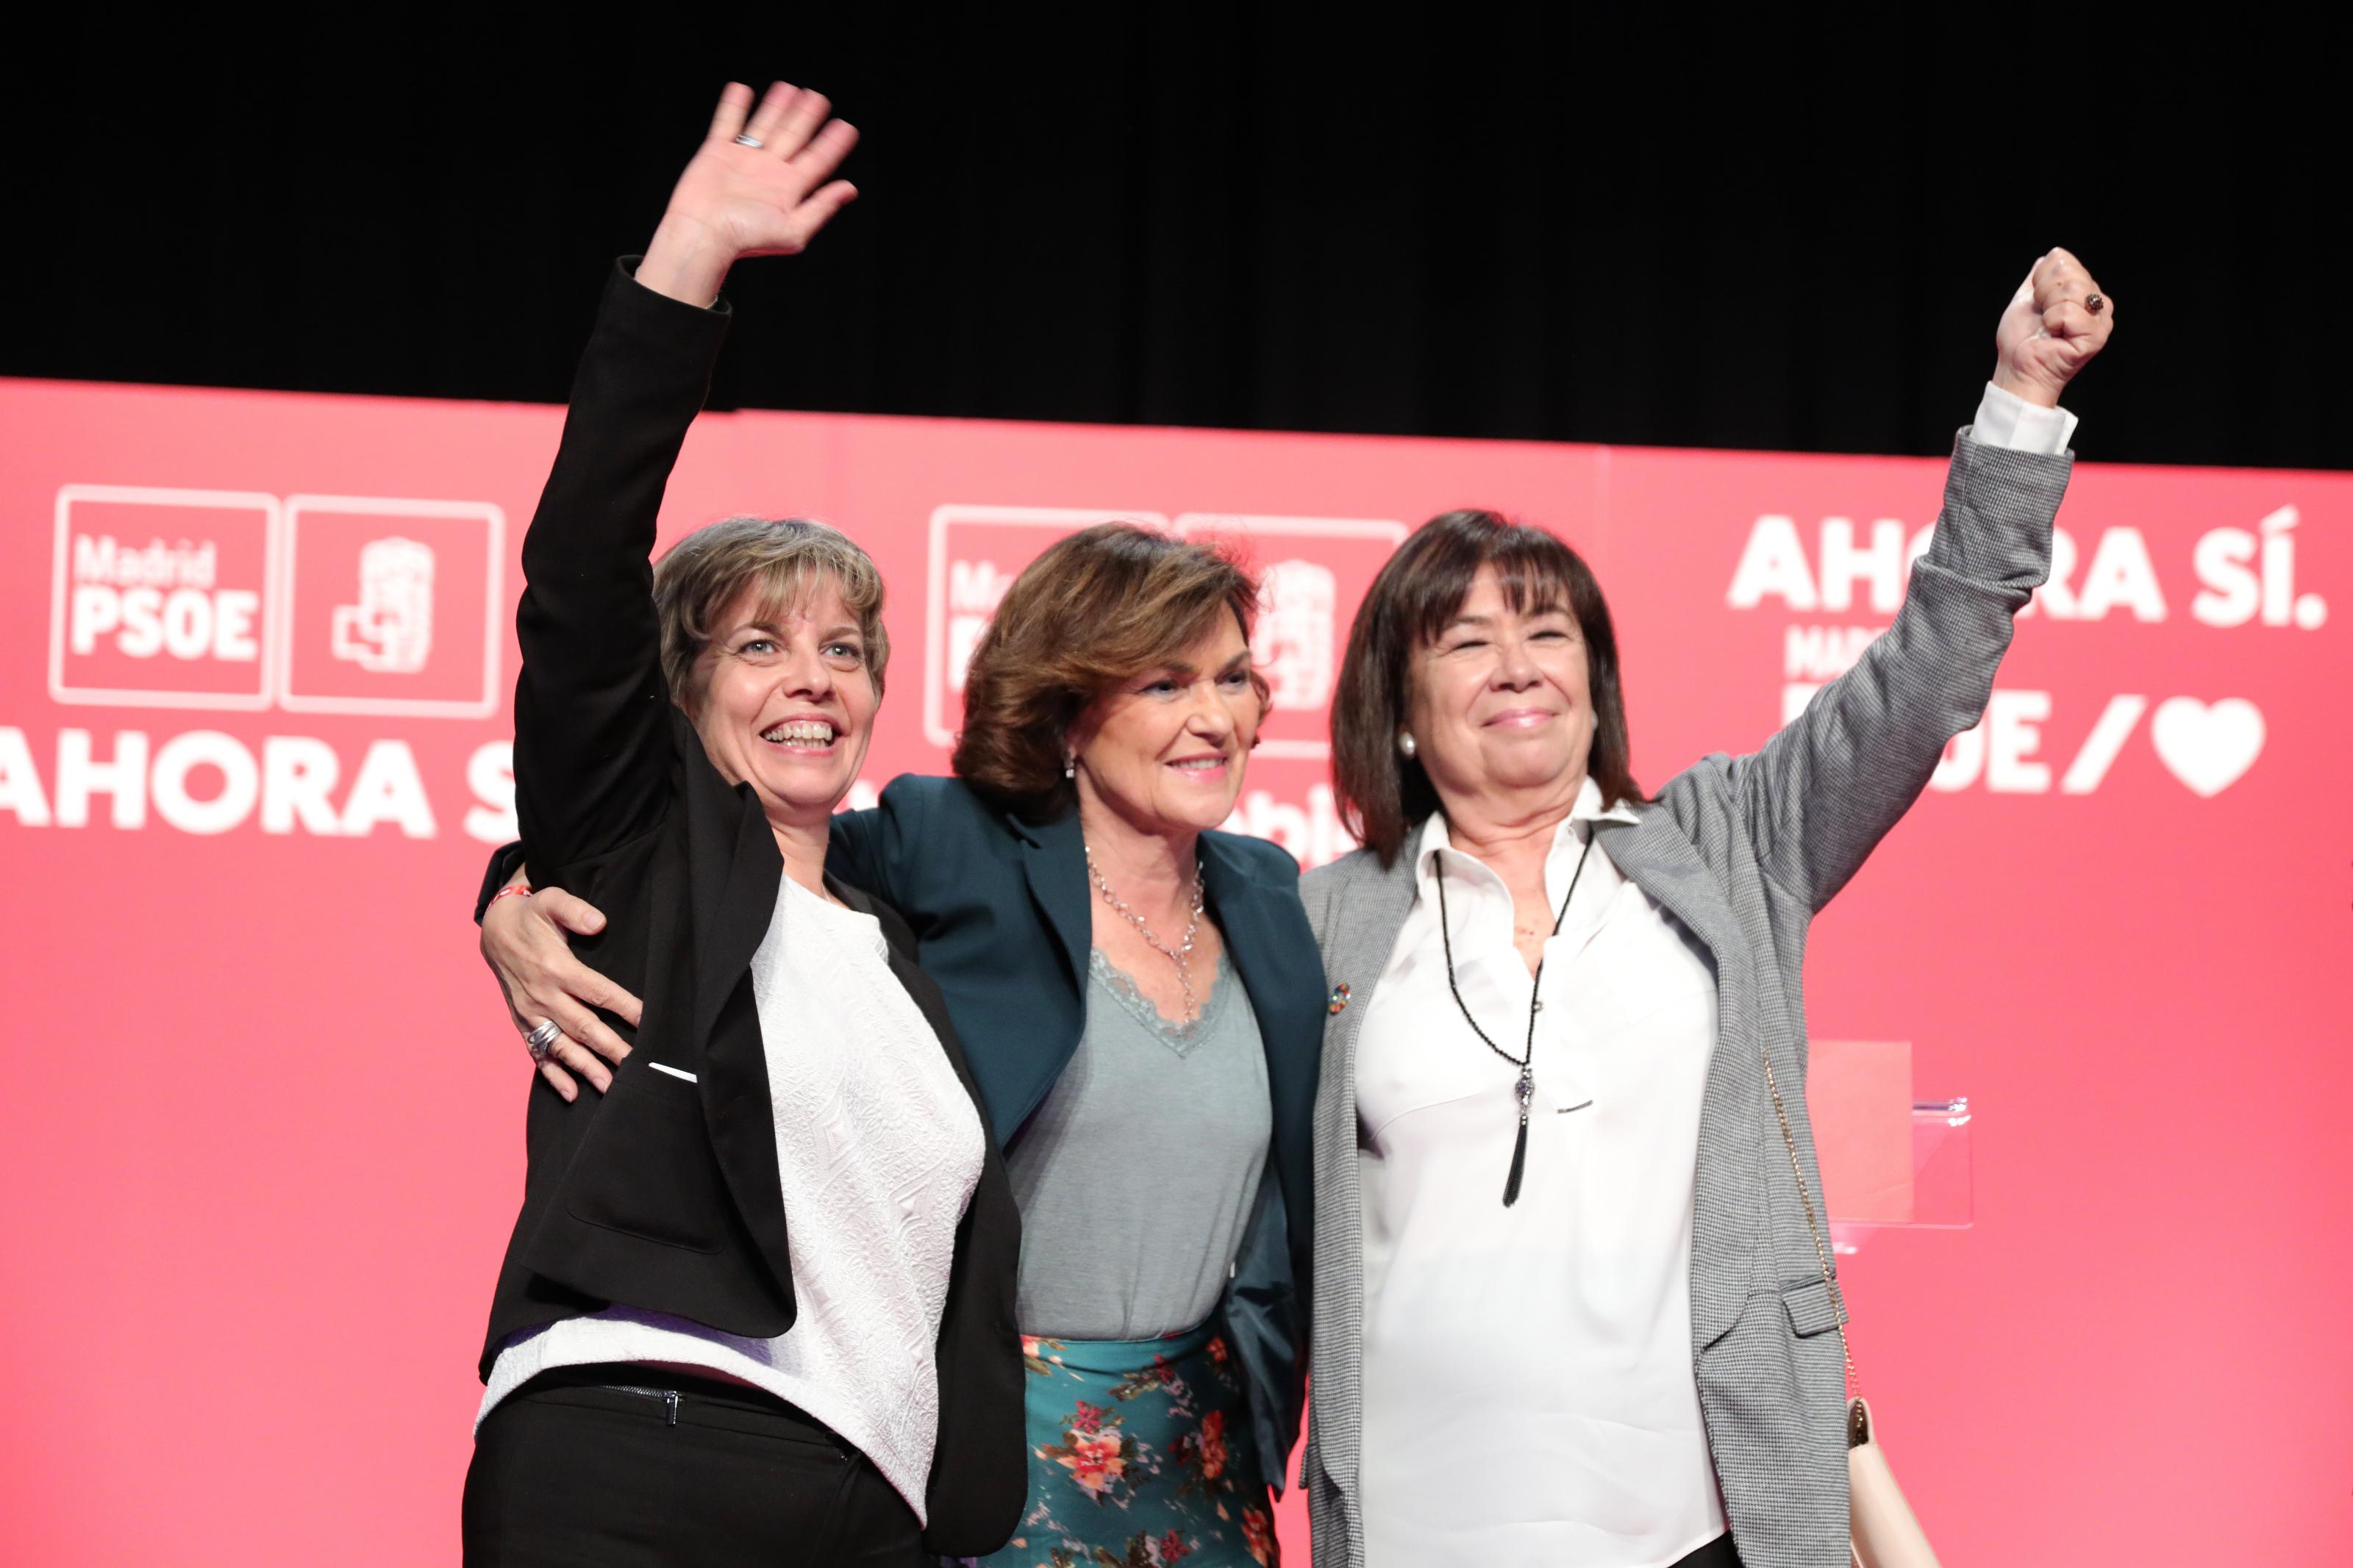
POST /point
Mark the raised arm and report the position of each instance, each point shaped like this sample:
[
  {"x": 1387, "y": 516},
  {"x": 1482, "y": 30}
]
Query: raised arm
[
  {"x": 1823, "y": 792},
  {"x": 591, "y": 709},
  {"x": 592, "y": 749}
]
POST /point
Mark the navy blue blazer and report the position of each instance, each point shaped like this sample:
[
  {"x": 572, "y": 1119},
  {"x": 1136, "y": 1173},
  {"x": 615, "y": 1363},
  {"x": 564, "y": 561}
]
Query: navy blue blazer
[{"x": 1001, "y": 913}]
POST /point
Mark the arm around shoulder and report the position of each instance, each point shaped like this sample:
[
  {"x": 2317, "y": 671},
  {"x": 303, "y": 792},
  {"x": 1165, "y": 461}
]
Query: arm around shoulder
[{"x": 878, "y": 849}]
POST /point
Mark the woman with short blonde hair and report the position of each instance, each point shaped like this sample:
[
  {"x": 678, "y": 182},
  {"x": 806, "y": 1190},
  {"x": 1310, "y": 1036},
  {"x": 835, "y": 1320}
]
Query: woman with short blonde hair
[{"x": 757, "y": 1305}]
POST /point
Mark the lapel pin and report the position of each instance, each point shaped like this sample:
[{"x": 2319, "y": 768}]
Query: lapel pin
[{"x": 1339, "y": 997}]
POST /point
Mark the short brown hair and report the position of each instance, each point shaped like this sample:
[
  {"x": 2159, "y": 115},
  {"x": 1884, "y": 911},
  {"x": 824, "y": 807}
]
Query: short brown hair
[
  {"x": 1095, "y": 608},
  {"x": 708, "y": 570},
  {"x": 1417, "y": 596}
]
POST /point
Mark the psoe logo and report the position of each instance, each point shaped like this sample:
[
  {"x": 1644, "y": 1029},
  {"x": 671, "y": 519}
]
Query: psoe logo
[
  {"x": 975, "y": 553},
  {"x": 224, "y": 599},
  {"x": 1313, "y": 573},
  {"x": 391, "y": 627},
  {"x": 391, "y": 607},
  {"x": 160, "y": 598}
]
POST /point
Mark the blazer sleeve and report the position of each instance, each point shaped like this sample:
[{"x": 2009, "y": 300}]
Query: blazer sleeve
[
  {"x": 1822, "y": 791},
  {"x": 592, "y": 748},
  {"x": 854, "y": 852},
  {"x": 877, "y": 850},
  {"x": 502, "y": 864}
]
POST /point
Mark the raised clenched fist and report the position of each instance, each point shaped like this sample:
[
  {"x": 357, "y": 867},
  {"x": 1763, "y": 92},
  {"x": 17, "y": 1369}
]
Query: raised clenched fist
[{"x": 2056, "y": 323}]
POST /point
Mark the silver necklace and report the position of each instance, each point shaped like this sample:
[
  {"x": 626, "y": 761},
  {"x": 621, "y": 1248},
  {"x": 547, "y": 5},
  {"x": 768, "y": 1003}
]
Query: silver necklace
[{"x": 1181, "y": 956}]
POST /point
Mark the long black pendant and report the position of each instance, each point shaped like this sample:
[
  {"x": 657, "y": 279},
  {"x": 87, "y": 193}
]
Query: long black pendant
[
  {"x": 1527, "y": 1090},
  {"x": 1526, "y": 1060}
]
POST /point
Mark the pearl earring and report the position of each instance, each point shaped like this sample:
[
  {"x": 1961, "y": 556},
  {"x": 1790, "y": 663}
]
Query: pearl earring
[
  {"x": 1070, "y": 767},
  {"x": 1405, "y": 743}
]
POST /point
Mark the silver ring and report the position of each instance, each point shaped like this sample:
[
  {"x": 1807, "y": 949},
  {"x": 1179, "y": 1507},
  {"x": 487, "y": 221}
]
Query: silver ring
[
  {"x": 538, "y": 1041},
  {"x": 748, "y": 140}
]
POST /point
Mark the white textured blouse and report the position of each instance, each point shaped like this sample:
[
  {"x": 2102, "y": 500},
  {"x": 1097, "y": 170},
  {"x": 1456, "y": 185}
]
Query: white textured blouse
[
  {"x": 1529, "y": 1396},
  {"x": 878, "y": 1150}
]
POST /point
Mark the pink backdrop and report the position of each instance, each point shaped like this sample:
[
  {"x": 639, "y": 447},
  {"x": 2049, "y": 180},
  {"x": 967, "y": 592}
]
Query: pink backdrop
[{"x": 263, "y": 1142}]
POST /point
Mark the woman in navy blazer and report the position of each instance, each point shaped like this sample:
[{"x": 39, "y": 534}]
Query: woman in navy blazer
[
  {"x": 1000, "y": 909},
  {"x": 1072, "y": 896}
]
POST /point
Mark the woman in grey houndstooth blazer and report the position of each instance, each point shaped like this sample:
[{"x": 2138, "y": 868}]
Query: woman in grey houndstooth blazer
[{"x": 1567, "y": 1306}]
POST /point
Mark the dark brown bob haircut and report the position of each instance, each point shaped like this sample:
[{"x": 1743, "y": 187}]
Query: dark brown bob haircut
[
  {"x": 1097, "y": 608},
  {"x": 1382, "y": 795}
]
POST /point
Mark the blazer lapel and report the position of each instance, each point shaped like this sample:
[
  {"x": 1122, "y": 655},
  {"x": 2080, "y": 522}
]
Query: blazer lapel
[
  {"x": 1367, "y": 919},
  {"x": 1361, "y": 928},
  {"x": 1054, "y": 860},
  {"x": 1054, "y": 864},
  {"x": 1273, "y": 955},
  {"x": 734, "y": 873},
  {"x": 1234, "y": 901},
  {"x": 1728, "y": 1200}
]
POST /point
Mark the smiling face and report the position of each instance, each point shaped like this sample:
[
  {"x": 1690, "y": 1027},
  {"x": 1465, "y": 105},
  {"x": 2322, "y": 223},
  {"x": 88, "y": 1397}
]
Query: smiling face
[
  {"x": 784, "y": 700},
  {"x": 1165, "y": 749},
  {"x": 1499, "y": 705}
]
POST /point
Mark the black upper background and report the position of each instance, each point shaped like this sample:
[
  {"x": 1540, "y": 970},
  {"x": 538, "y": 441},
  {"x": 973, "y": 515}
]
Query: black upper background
[{"x": 1456, "y": 221}]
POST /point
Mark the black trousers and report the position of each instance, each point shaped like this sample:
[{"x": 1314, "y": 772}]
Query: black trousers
[
  {"x": 595, "y": 1465},
  {"x": 1716, "y": 1553}
]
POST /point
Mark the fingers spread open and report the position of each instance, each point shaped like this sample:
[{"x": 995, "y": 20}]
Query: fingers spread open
[
  {"x": 818, "y": 210},
  {"x": 822, "y": 156},
  {"x": 772, "y": 112},
  {"x": 798, "y": 123},
  {"x": 727, "y": 120}
]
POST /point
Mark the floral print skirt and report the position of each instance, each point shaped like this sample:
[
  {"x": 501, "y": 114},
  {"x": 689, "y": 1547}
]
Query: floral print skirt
[{"x": 1140, "y": 1456}]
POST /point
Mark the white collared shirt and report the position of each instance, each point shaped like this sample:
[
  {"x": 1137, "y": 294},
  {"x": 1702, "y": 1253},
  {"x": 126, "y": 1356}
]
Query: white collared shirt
[
  {"x": 1529, "y": 1396},
  {"x": 1528, "y": 1387}
]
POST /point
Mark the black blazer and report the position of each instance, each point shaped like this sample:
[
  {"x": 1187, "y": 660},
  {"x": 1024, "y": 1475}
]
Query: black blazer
[{"x": 661, "y": 1193}]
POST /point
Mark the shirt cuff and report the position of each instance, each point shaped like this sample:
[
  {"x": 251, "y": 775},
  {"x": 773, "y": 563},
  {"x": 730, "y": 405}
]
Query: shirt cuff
[{"x": 2006, "y": 419}]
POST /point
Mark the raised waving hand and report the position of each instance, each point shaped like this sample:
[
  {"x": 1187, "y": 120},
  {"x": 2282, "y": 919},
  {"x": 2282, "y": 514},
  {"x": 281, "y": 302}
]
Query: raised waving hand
[{"x": 760, "y": 185}]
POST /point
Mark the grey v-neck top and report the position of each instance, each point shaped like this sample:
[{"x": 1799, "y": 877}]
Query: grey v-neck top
[{"x": 1137, "y": 1175}]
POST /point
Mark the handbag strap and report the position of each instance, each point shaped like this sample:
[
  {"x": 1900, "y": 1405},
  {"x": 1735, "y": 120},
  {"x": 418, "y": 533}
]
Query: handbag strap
[{"x": 1821, "y": 1248}]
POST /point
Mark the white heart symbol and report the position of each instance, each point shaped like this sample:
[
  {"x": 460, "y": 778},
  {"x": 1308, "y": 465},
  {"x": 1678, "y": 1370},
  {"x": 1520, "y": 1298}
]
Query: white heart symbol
[{"x": 2208, "y": 747}]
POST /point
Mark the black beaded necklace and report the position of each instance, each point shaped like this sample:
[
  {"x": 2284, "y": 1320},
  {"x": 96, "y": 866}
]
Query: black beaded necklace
[{"x": 1525, "y": 1062}]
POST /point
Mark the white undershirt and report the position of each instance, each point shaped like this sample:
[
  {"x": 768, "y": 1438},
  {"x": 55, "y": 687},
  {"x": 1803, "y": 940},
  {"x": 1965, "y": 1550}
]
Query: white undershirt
[
  {"x": 878, "y": 1149},
  {"x": 1528, "y": 1387}
]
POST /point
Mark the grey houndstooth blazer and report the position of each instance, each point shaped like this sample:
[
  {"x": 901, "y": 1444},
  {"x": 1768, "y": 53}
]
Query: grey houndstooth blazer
[{"x": 1743, "y": 851}]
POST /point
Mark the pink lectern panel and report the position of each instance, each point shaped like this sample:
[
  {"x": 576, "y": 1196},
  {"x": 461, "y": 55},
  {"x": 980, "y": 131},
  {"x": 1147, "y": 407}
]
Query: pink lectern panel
[{"x": 1860, "y": 1092}]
